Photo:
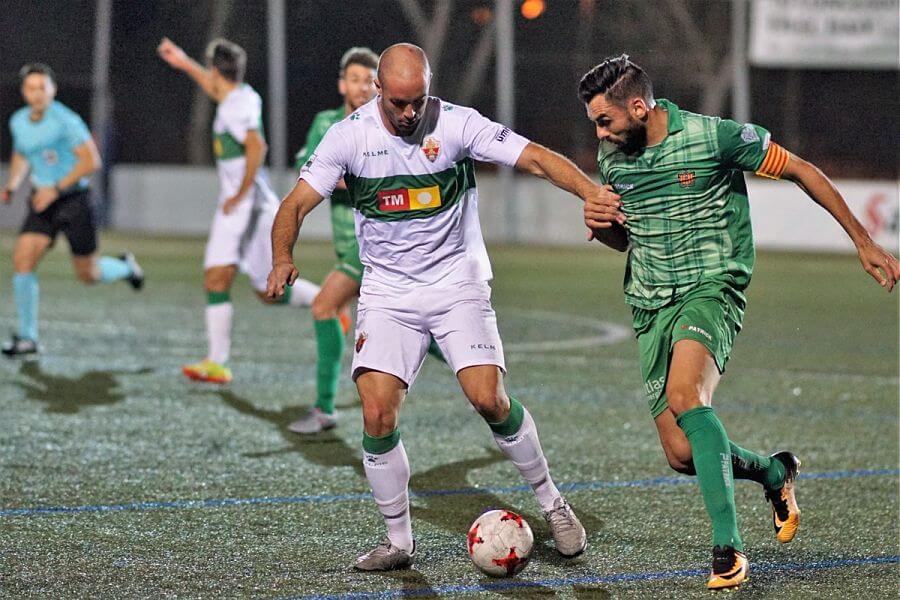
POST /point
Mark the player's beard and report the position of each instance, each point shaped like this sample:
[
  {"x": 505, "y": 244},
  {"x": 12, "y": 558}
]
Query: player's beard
[{"x": 634, "y": 138}]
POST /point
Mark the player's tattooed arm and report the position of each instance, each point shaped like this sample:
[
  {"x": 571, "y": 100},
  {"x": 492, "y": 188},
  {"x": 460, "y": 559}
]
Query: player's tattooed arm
[
  {"x": 296, "y": 205},
  {"x": 876, "y": 261},
  {"x": 616, "y": 237}
]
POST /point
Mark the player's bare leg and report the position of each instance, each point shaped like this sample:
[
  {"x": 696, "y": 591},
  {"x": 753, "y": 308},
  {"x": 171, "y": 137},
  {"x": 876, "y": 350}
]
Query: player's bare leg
[
  {"x": 516, "y": 434},
  {"x": 93, "y": 268},
  {"x": 332, "y": 321},
  {"x": 387, "y": 469},
  {"x": 27, "y": 254},
  {"x": 219, "y": 311}
]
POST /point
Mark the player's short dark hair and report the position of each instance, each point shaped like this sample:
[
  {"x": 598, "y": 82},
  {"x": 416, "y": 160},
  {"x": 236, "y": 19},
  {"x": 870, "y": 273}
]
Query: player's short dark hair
[
  {"x": 228, "y": 58},
  {"x": 359, "y": 56},
  {"x": 618, "y": 79},
  {"x": 36, "y": 67}
]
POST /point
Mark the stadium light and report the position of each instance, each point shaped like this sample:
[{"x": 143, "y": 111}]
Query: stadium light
[{"x": 532, "y": 9}]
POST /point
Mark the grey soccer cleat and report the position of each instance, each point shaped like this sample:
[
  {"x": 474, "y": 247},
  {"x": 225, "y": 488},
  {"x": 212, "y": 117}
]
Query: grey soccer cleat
[
  {"x": 314, "y": 421},
  {"x": 385, "y": 557},
  {"x": 566, "y": 529}
]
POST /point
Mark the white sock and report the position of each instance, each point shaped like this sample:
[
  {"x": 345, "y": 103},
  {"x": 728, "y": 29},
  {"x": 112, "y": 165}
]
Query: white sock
[
  {"x": 524, "y": 450},
  {"x": 303, "y": 292},
  {"x": 218, "y": 331},
  {"x": 388, "y": 475}
]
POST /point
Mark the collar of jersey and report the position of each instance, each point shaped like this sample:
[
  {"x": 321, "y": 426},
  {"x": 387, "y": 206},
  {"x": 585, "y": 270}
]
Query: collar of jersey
[{"x": 675, "y": 123}]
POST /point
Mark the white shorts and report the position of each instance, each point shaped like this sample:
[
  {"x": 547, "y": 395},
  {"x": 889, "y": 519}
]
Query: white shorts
[
  {"x": 393, "y": 330},
  {"x": 244, "y": 237}
]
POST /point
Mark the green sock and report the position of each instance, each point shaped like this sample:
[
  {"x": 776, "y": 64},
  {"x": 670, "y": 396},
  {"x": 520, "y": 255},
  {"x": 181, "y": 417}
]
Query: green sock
[
  {"x": 513, "y": 421},
  {"x": 755, "y": 467},
  {"x": 380, "y": 445},
  {"x": 712, "y": 461},
  {"x": 435, "y": 351},
  {"x": 330, "y": 345},
  {"x": 286, "y": 298}
]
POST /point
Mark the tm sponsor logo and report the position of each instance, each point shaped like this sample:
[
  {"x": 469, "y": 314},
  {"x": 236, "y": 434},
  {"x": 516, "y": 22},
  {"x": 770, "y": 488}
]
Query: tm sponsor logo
[{"x": 482, "y": 347}]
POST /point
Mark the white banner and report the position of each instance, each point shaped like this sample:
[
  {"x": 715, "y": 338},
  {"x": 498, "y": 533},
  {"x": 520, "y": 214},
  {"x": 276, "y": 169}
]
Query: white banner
[
  {"x": 826, "y": 34},
  {"x": 785, "y": 218}
]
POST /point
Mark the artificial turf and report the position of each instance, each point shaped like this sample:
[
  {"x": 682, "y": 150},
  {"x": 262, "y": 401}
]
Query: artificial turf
[{"x": 119, "y": 478}]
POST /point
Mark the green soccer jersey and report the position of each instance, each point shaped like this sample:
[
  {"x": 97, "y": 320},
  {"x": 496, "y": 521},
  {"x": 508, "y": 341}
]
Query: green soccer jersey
[
  {"x": 343, "y": 224},
  {"x": 321, "y": 123},
  {"x": 685, "y": 199}
]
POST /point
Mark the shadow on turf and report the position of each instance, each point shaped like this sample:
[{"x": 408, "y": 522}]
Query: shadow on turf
[
  {"x": 455, "y": 513},
  {"x": 325, "y": 449},
  {"x": 452, "y": 512},
  {"x": 67, "y": 395}
]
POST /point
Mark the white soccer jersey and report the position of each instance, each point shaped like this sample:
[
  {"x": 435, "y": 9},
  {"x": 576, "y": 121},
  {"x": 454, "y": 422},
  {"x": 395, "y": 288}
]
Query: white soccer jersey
[
  {"x": 414, "y": 198},
  {"x": 239, "y": 112}
]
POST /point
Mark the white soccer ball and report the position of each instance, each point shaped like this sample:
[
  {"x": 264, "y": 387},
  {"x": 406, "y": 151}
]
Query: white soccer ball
[{"x": 500, "y": 543}]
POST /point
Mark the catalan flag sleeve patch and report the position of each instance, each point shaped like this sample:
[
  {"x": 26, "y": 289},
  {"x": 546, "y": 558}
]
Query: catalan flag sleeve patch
[{"x": 774, "y": 163}]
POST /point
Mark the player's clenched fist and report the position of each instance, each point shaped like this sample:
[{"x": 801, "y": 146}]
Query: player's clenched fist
[
  {"x": 171, "y": 53},
  {"x": 601, "y": 208},
  {"x": 281, "y": 275}
]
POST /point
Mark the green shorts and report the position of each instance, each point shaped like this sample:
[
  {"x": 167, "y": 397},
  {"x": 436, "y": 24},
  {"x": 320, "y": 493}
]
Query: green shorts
[
  {"x": 346, "y": 247},
  {"x": 710, "y": 313}
]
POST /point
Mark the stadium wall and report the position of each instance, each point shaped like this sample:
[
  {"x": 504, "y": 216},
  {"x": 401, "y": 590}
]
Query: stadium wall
[{"x": 167, "y": 199}]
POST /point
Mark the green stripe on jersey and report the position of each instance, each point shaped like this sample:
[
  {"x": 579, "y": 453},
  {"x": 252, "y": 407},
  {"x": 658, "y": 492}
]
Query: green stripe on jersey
[
  {"x": 404, "y": 197},
  {"x": 686, "y": 204},
  {"x": 226, "y": 147}
]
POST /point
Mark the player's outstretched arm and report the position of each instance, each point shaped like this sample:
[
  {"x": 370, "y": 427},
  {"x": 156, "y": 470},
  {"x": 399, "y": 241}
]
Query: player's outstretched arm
[
  {"x": 296, "y": 205},
  {"x": 178, "y": 59},
  {"x": 877, "y": 262},
  {"x": 18, "y": 168},
  {"x": 601, "y": 204}
]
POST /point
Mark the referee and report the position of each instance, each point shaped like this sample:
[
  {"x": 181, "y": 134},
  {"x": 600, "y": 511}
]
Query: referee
[{"x": 54, "y": 144}]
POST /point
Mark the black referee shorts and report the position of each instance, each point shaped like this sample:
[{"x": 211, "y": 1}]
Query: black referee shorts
[{"x": 72, "y": 214}]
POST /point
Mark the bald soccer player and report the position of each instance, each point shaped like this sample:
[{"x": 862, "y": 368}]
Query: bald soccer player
[{"x": 407, "y": 160}]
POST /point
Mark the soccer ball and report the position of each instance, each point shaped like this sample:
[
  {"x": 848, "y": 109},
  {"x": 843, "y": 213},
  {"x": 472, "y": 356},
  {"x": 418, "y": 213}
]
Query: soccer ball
[{"x": 500, "y": 543}]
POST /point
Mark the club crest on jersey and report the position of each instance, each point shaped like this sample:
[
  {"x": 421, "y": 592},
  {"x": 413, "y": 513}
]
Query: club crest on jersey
[
  {"x": 431, "y": 147},
  {"x": 361, "y": 340},
  {"x": 686, "y": 178}
]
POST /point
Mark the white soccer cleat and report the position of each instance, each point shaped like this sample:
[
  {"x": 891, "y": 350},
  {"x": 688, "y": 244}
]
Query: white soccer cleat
[
  {"x": 386, "y": 557},
  {"x": 566, "y": 529},
  {"x": 314, "y": 421}
]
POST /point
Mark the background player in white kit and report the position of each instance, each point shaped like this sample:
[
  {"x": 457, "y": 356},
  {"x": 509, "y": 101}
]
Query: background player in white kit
[
  {"x": 407, "y": 161},
  {"x": 240, "y": 233}
]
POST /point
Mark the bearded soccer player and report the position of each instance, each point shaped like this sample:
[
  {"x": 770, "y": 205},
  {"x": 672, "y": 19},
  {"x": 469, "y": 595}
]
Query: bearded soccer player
[
  {"x": 356, "y": 84},
  {"x": 683, "y": 216},
  {"x": 239, "y": 237},
  {"x": 407, "y": 159},
  {"x": 53, "y": 142}
]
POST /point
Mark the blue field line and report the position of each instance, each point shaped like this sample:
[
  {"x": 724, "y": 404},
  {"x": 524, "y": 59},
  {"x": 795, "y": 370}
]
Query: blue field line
[
  {"x": 328, "y": 498},
  {"x": 502, "y": 586}
]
